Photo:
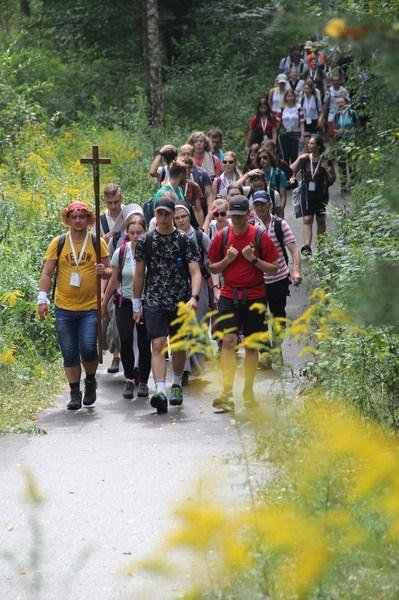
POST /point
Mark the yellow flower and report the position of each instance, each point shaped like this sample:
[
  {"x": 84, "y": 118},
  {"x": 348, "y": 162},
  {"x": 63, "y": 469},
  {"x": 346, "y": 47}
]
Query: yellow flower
[{"x": 335, "y": 28}]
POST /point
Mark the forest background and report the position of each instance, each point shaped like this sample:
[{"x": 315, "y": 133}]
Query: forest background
[{"x": 79, "y": 73}]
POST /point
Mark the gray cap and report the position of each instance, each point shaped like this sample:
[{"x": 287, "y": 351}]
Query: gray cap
[{"x": 238, "y": 205}]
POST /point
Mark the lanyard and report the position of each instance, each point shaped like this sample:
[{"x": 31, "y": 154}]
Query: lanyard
[
  {"x": 77, "y": 261},
  {"x": 264, "y": 125},
  {"x": 313, "y": 173},
  {"x": 308, "y": 104}
]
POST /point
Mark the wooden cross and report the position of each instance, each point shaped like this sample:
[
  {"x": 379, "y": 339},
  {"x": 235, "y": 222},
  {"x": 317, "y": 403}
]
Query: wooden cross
[{"x": 96, "y": 161}]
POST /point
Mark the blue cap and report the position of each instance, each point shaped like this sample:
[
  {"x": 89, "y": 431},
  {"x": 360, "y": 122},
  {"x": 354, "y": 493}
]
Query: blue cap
[{"x": 261, "y": 196}]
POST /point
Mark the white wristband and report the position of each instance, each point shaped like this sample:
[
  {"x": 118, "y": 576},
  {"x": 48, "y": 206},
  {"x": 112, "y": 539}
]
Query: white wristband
[
  {"x": 136, "y": 303},
  {"x": 42, "y": 298}
]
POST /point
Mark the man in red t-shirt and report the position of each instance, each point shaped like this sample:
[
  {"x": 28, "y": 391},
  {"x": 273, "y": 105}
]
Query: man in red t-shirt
[{"x": 242, "y": 264}]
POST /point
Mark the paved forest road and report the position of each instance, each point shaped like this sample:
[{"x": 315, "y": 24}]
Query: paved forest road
[{"x": 112, "y": 477}]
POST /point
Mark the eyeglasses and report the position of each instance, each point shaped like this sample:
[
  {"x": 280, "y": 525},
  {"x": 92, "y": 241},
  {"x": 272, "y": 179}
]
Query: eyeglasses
[
  {"x": 220, "y": 214},
  {"x": 263, "y": 157},
  {"x": 228, "y": 162}
]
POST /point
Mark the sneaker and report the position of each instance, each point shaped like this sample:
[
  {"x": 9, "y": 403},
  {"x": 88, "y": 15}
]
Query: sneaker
[
  {"x": 184, "y": 379},
  {"x": 76, "y": 400},
  {"x": 142, "y": 391},
  {"x": 129, "y": 389},
  {"x": 90, "y": 395},
  {"x": 176, "y": 396},
  {"x": 249, "y": 399},
  {"x": 114, "y": 368},
  {"x": 306, "y": 250},
  {"x": 225, "y": 403},
  {"x": 160, "y": 402}
]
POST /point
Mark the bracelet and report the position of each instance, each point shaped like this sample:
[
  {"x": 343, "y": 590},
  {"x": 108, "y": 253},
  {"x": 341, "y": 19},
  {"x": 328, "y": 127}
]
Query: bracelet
[
  {"x": 217, "y": 286},
  {"x": 137, "y": 306},
  {"x": 42, "y": 298}
]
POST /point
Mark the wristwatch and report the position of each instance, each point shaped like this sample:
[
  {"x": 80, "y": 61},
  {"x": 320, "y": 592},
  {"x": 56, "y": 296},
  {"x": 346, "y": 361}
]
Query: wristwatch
[
  {"x": 195, "y": 296},
  {"x": 254, "y": 261}
]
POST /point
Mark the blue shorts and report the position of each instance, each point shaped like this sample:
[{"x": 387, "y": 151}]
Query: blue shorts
[{"x": 77, "y": 335}]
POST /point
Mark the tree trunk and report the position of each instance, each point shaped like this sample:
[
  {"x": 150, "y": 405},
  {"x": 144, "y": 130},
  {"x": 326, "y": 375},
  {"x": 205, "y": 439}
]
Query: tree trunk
[
  {"x": 24, "y": 6},
  {"x": 152, "y": 59}
]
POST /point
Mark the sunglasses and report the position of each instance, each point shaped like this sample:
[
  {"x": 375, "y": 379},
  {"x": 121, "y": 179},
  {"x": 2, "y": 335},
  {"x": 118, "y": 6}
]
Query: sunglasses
[
  {"x": 263, "y": 157},
  {"x": 220, "y": 214},
  {"x": 228, "y": 162}
]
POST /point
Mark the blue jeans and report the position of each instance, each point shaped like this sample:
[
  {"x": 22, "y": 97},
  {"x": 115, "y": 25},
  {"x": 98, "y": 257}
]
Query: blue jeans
[{"x": 77, "y": 334}]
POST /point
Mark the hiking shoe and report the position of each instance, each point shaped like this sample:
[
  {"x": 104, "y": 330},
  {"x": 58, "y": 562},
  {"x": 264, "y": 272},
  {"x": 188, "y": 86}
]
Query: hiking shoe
[
  {"x": 129, "y": 389},
  {"x": 225, "y": 403},
  {"x": 90, "y": 395},
  {"x": 306, "y": 250},
  {"x": 114, "y": 368},
  {"x": 76, "y": 400},
  {"x": 249, "y": 399},
  {"x": 176, "y": 396},
  {"x": 160, "y": 402},
  {"x": 142, "y": 391}
]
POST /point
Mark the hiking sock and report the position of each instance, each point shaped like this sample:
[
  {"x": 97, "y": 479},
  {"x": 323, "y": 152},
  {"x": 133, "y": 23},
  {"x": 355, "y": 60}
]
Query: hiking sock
[
  {"x": 160, "y": 386},
  {"x": 90, "y": 377},
  {"x": 74, "y": 386},
  {"x": 177, "y": 379}
]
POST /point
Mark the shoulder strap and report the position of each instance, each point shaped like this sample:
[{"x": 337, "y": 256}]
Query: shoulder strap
[
  {"x": 225, "y": 235},
  {"x": 278, "y": 229},
  {"x": 278, "y": 178},
  {"x": 104, "y": 222},
  {"x": 61, "y": 243},
  {"x": 258, "y": 238}
]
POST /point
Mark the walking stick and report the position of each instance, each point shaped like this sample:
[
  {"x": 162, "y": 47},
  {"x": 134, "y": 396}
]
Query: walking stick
[{"x": 96, "y": 161}]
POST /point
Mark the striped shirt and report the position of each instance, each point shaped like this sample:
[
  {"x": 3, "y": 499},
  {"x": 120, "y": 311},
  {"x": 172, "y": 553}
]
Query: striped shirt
[{"x": 288, "y": 237}]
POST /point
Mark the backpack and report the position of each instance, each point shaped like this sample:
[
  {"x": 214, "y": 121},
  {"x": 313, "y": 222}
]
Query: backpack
[
  {"x": 148, "y": 210},
  {"x": 258, "y": 236},
  {"x": 199, "y": 238},
  {"x": 117, "y": 296},
  {"x": 60, "y": 245}
]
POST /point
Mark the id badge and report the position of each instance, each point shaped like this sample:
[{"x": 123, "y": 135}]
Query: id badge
[
  {"x": 308, "y": 121},
  {"x": 75, "y": 279},
  {"x": 312, "y": 186},
  {"x": 265, "y": 137}
]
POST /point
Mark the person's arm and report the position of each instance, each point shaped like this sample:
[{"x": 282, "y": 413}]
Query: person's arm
[
  {"x": 274, "y": 133},
  {"x": 196, "y": 283},
  {"x": 296, "y": 259},
  {"x": 358, "y": 125},
  {"x": 209, "y": 195},
  {"x": 249, "y": 253},
  {"x": 249, "y": 140},
  {"x": 296, "y": 165},
  {"x": 330, "y": 172},
  {"x": 111, "y": 287},
  {"x": 44, "y": 288},
  {"x": 138, "y": 286},
  {"x": 157, "y": 160}
]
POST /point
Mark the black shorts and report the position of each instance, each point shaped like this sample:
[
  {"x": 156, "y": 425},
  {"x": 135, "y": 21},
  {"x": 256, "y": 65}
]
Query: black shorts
[
  {"x": 311, "y": 128},
  {"x": 241, "y": 317},
  {"x": 158, "y": 322},
  {"x": 314, "y": 203}
]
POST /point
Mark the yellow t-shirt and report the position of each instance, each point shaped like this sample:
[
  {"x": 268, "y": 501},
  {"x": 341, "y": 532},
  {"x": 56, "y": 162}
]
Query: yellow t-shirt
[{"x": 67, "y": 296}]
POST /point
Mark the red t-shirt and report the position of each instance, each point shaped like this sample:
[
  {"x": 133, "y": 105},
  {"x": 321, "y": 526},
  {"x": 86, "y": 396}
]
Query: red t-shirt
[
  {"x": 241, "y": 273},
  {"x": 269, "y": 125}
]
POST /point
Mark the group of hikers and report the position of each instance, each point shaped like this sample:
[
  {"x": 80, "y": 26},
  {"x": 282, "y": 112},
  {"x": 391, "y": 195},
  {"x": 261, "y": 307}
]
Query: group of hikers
[{"x": 212, "y": 237}]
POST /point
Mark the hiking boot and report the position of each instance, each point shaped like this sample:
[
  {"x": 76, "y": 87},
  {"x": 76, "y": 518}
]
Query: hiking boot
[
  {"x": 225, "y": 403},
  {"x": 76, "y": 400},
  {"x": 142, "y": 391},
  {"x": 306, "y": 250},
  {"x": 129, "y": 389},
  {"x": 176, "y": 396},
  {"x": 249, "y": 399},
  {"x": 114, "y": 368},
  {"x": 160, "y": 402},
  {"x": 90, "y": 395}
]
